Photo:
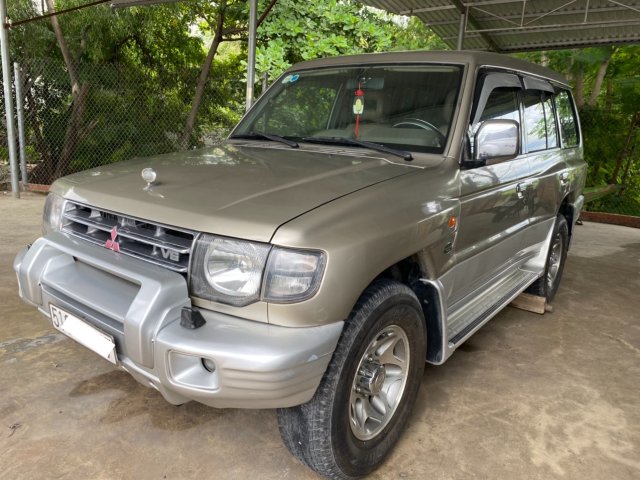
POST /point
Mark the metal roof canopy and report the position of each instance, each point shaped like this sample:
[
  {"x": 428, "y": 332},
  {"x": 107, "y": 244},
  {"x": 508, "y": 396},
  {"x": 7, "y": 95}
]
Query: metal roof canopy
[{"x": 521, "y": 25}]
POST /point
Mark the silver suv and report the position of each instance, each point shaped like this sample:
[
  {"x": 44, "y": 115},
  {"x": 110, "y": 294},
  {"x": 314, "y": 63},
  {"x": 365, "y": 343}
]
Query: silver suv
[{"x": 368, "y": 214}]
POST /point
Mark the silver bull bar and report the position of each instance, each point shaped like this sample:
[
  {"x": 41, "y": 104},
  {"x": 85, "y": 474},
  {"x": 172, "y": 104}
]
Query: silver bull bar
[{"x": 228, "y": 362}]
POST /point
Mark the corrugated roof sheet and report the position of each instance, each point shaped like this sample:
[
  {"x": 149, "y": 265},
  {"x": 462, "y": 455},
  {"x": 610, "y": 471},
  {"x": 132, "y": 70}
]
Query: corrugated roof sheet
[{"x": 520, "y": 25}]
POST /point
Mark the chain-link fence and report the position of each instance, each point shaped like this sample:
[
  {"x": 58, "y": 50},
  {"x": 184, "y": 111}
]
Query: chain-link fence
[{"x": 110, "y": 117}]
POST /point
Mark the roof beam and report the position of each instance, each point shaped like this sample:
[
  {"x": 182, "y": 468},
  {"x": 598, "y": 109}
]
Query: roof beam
[
  {"x": 426, "y": 9},
  {"x": 577, "y": 12},
  {"x": 474, "y": 24},
  {"x": 575, "y": 44},
  {"x": 553, "y": 27}
]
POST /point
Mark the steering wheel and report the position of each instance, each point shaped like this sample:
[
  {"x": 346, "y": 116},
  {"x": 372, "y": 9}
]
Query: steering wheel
[{"x": 419, "y": 123}]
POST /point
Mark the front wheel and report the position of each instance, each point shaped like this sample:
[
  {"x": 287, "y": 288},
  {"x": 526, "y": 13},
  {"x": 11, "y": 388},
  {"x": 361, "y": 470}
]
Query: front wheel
[{"x": 365, "y": 397}]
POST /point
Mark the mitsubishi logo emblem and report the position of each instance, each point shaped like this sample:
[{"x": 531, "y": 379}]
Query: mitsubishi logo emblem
[{"x": 111, "y": 243}]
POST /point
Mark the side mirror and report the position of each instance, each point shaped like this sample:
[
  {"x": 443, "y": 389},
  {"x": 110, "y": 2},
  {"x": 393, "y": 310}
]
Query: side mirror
[{"x": 496, "y": 140}]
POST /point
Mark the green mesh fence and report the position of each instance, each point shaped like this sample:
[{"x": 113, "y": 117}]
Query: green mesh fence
[{"x": 112, "y": 118}]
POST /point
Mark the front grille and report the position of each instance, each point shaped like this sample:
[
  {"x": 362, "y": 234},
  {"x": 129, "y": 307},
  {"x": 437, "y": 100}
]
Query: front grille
[{"x": 169, "y": 247}]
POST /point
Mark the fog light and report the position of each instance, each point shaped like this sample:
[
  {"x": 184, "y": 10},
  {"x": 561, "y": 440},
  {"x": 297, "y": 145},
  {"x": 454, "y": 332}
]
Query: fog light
[{"x": 209, "y": 365}]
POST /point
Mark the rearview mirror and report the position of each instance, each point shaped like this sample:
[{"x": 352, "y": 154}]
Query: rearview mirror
[
  {"x": 496, "y": 140},
  {"x": 366, "y": 83}
]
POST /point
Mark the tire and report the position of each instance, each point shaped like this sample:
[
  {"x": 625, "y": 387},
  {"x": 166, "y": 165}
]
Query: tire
[
  {"x": 332, "y": 434},
  {"x": 547, "y": 285}
]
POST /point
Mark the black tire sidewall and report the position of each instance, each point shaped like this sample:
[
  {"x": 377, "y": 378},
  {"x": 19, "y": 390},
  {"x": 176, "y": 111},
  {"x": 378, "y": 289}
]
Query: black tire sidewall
[
  {"x": 353, "y": 456},
  {"x": 561, "y": 228}
]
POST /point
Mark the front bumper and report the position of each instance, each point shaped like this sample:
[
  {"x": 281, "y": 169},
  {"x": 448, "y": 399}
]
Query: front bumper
[{"x": 256, "y": 365}]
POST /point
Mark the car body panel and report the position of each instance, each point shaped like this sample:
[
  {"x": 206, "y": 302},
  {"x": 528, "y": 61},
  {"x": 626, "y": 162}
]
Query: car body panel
[
  {"x": 401, "y": 217},
  {"x": 237, "y": 189},
  {"x": 492, "y": 214}
]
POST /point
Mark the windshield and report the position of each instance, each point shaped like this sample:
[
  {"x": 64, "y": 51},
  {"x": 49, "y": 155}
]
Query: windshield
[{"x": 404, "y": 107}]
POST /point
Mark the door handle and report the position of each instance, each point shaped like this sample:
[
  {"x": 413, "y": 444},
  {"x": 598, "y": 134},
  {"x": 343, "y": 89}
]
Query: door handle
[
  {"x": 564, "y": 178},
  {"x": 521, "y": 190}
]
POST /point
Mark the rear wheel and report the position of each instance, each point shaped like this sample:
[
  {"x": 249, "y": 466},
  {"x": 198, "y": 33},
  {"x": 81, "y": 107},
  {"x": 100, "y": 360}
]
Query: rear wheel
[
  {"x": 547, "y": 285},
  {"x": 365, "y": 397}
]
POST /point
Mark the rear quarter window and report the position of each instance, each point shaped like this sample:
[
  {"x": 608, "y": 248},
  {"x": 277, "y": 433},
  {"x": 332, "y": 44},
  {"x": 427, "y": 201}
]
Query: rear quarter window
[
  {"x": 534, "y": 123},
  {"x": 539, "y": 121},
  {"x": 567, "y": 119}
]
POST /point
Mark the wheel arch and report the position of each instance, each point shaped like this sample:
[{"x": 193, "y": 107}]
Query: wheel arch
[
  {"x": 568, "y": 211},
  {"x": 413, "y": 271}
]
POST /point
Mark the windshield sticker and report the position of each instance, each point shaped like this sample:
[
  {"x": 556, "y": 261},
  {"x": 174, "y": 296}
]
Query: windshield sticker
[{"x": 290, "y": 78}]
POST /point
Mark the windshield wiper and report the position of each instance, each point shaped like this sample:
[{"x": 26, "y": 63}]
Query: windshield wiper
[
  {"x": 361, "y": 143},
  {"x": 267, "y": 136}
]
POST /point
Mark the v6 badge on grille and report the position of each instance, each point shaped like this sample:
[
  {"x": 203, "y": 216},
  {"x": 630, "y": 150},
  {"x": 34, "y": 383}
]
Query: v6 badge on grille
[{"x": 170, "y": 254}]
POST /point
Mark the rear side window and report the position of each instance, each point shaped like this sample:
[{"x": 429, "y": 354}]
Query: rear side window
[
  {"x": 567, "y": 119},
  {"x": 534, "y": 124},
  {"x": 552, "y": 130},
  {"x": 539, "y": 121}
]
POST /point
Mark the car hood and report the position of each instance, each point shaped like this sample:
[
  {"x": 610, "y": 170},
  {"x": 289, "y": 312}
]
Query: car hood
[{"x": 238, "y": 190}]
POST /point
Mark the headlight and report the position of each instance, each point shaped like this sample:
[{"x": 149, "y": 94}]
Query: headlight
[
  {"x": 293, "y": 275},
  {"x": 228, "y": 271},
  {"x": 52, "y": 214},
  {"x": 231, "y": 271}
]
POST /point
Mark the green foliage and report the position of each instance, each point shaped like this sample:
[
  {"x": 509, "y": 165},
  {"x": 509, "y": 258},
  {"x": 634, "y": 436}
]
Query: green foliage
[
  {"x": 611, "y": 137},
  {"x": 141, "y": 66},
  {"x": 301, "y": 110},
  {"x": 412, "y": 34},
  {"x": 603, "y": 135},
  {"x": 295, "y": 31}
]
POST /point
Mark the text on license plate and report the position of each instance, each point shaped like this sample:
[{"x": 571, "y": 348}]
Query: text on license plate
[{"x": 83, "y": 333}]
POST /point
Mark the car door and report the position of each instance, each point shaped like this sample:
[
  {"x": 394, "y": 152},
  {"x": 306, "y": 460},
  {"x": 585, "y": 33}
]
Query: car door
[
  {"x": 493, "y": 199},
  {"x": 550, "y": 175}
]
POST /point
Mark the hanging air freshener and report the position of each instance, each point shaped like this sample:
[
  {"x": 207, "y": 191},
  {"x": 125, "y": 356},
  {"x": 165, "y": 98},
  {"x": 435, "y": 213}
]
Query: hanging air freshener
[{"x": 358, "y": 106}]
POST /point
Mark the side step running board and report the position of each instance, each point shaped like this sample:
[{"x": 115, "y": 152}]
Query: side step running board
[{"x": 486, "y": 306}]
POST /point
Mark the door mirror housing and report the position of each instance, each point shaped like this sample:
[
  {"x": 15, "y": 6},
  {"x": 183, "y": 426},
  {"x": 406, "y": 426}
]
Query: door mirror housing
[{"x": 496, "y": 140}]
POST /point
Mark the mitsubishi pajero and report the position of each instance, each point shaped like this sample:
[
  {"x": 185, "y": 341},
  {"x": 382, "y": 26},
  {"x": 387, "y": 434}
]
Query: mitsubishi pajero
[{"x": 367, "y": 215}]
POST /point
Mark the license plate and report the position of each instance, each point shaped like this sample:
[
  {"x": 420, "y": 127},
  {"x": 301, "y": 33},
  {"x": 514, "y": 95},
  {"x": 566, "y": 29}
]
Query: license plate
[{"x": 83, "y": 333}]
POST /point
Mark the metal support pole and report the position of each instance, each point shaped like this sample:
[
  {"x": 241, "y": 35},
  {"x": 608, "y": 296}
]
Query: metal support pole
[
  {"x": 17, "y": 78},
  {"x": 462, "y": 30},
  {"x": 251, "y": 60},
  {"x": 8, "y": 99}
]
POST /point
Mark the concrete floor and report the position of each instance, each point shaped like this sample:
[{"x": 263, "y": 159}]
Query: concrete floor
[{"x": 528, "y": 397}]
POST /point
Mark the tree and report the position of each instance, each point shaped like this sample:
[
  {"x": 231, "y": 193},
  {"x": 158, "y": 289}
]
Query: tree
[
  {"x": 610, "y": 118},
  {"x": 227, "y": 21},
  {"x": 76, "y": 130},
  {"x": 297, "y": 31},
  {"x": 104, "y": 86}
]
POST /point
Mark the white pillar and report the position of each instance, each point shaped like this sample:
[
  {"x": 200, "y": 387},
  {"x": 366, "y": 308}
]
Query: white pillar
[
  {"x": 8, "y": 99},
  {"x": 251, "y": 60},
  {"x": 462, "y": 30},
  {"x": 17, "y": 78}
]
